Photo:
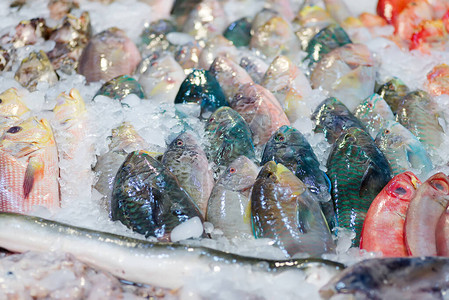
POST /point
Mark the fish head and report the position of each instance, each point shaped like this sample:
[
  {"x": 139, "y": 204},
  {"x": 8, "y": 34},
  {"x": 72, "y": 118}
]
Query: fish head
[
  {"x": 69, "y": 106},
  {"x": 352, "y": 141},
  {"x": 392, "y": 91},
  {"x": 240, "y": 175},
  {"x": 281, "y": 147},
  {"x": 403, "y": 186},
  {"x": 223, "y": 115},
  {"x": 184, "y": 142},
  {"x": 11, "y": 105},
  {"x": 373, "y": 106},
  {"x": 279, "y": 73},
  {"x": 29, "y": 136},
  {"x": 439, "y": 183},
  {"x": 311, "y": 15},
  {"x": 126, "y": 138}
]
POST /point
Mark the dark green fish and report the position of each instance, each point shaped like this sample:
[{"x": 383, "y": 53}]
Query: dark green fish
[
  {"x": 392, "y": 278},
  {"x": 157, "y": 30},
  {"x": 358, "y": 171},
  {"x": 147, "y": 198},
  {"x": 393, "y": 91},
  {"x": 229, "y": 136},
  {"x": 419, "y": 114},
  {"x": 284, "y": 210},
  {"x": 332, "y": 117},
  {"x": 181, "y": 10},
  {"x": 239, "y": 32},
  {"x": 120, "y": 87},
  {"x": 329, "y": 38},
  {"x": 289, "y": 147},
  {"x": 202, "y": 87}
]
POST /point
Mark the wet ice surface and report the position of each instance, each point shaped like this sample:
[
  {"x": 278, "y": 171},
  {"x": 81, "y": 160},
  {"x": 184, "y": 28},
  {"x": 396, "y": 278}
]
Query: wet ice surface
[{"x": 157, "y": 124}]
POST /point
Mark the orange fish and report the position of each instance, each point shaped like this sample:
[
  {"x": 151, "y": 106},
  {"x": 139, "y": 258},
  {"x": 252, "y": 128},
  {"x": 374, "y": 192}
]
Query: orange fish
[
  {"x": 28, "y": 167},
  {"x": 438, "y": 80},
  {"x": 383, "y": 229}
]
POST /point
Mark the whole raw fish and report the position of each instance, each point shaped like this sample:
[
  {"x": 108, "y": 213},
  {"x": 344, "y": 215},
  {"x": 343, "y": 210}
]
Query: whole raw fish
[
  {"x": 229, "y": 136},
  {"x": 383, "y": 229},
  {"x": 229, "y": 207},
  {"x": 438, "y": 80},
  {"x": 347, "y": 73},
  {"x": 154, "y": 37},
  {"x": 161, "y": 78},
  {"x": 108, "y": 54},
  {"x": 202, "y": 88},
  {"x": 358, "y": 172},
  {"x": 332, "y": 117},
  {"x": 393, "y": 91},
  {"x": 261, "y": 110},
  {"x": 124, "y": 140},
  {"x": 186, "y": 159},
  {"x": 34, "y": 69},
  {"x": 403, "y": 150},
  {"x": 147, "y": 198},
  {"x": 239, "y": 32},
  {"x": 392, "y": 278},
  {"x": 28, "y": 167},
  {"x": 217, "y": 46},
  {"x": 167, "y": 265},
  {"x": 425, "y": 209},
  {"x": 283, "y": 209},
  {"x": 230, "y": 76},
  {"x": 419, "y": 114},
  {"x": 289, "y": 147},
  {"x": 374, "y": 112},
  {"x": 121, "y": 86},
  {"x": 12, "y": 109},
  {"x": 255, "y": 67}
]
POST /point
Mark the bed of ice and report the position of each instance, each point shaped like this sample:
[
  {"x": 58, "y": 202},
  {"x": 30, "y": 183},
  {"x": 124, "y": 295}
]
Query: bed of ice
[{"x": 156, "y": 124}]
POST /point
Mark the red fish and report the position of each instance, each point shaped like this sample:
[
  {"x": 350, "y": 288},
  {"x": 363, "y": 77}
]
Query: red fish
[
  {"x": 442, "y": 234},
  {"x": 424, "y": 211},
  {"x": 383, "y": 229},
  {"x": 390, "y": 9}
]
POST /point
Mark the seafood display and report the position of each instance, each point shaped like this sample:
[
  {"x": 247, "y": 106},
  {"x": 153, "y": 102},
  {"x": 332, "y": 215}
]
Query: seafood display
[{"x": 224, "y": 149}]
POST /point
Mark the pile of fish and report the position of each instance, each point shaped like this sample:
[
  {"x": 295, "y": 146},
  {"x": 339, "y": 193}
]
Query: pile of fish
[{"x": 284, "y": 130}]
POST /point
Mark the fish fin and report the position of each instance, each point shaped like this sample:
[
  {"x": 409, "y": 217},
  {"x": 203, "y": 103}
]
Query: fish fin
[
  {"x": 418, "y": 159},
  {"x": 34, "y": 170},
  {"x": 247, "y": 215},
  {"x": 304, "y": 217},
  {"x": 370, "y": 181}
]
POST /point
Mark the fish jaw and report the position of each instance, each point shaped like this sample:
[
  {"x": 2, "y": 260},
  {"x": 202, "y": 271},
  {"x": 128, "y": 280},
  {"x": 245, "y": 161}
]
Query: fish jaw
[
  {"x": 11, "y": 104},
  {"x": 425, "y": 209}
]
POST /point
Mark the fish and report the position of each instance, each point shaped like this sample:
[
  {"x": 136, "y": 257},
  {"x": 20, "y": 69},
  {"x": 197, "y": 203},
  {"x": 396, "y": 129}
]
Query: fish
[
  {"x": 255, "y": 67},
  {"x": 59, "y": 9},
  {"x": 154, "y": 37},
  {"x": 29, "y": 32},
  {"x": 155, "y": 263},
  {"x": 392, "y": 278},
  {"x": 206, "y": 20},
  {"x": 160, "y": 77},
  {"x": 12, "y": 109},
  {"x": 70, "y": 39},
  {"x": 29, "y": 167},
  {"x": 124, "y": 140},
  {"x": 327, "y": 39},
  {"x": 347, "y": 73},
  {"x": 403, "y": 150},
  {"x": 393, "y": 91},
  {"x": 239, "y": 32},
  {"x": 121, "y": 86},
  {"x": 441, "y": 234},
  {"x": 311, "y": 19},
  {"x": 290, "y": 147},
  {"x": 147, "y": 198},
  {"x": 34, "y": 69},
  {"x": 275, "y": 37},
  {"x": 229, "y": 75},
  {"x": 261, "y": 110},
  {"x": 186, "y": 159},
  {"x": 419, "y": 114},
  {"x": 332, "y": 117},
  {"x": 181, "y": 10},
  {"x": 338, "y": 10},
  {"x": 358, "y": 171},
  {"x": 374, "y": 112},
  {"x": 284, "y": 210},
  {"x": 229, "y": 206},
  {"x": 390, "y": 9},
  {"x": 383, "y": 229},
  {"x": 216, "y": 46},
  {"x": 108, "y": 54},
  {"x": 438, "y": 80},
  {"x": 5, "y": 60},
  {"x": 229, "y": 136},
  {"x": 289, "y": 85},
  {"x": 202, "y": 88},
  {"x": 188, "y": 56},
  {"x": 424, "y": 211}
]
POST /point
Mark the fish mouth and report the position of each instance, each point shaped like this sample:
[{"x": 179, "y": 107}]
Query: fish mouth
[{"x": 413, "y": 179}]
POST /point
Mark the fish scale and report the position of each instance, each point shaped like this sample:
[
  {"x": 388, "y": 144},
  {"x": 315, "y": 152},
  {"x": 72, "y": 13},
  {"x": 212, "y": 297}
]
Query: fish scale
[{"x": 358, "y": 171}]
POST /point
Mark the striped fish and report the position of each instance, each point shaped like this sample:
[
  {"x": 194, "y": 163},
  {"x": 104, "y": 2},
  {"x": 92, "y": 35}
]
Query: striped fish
[{"x": 358, "y": 172}]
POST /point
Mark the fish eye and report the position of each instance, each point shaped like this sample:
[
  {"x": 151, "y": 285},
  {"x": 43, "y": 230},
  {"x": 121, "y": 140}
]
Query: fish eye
[
  {"x": 179, "y": 143},
  {"x": 232, "y": 170},
  {"x": 400, "y": 191},
  {"x": 280, "y": 137},
  {"x": 14, "y": 129},
  {"x": 1, "y": 100},
  {"x": 211, "y": 119},
  {"x": 387, "y": 131},
  {"x": 370, "y": 105},
  {"x": 440, "y": 185}
]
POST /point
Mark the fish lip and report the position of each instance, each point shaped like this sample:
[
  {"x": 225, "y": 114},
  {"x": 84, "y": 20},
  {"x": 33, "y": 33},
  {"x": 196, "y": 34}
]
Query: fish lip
[{"x": 413, "y": 179}]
